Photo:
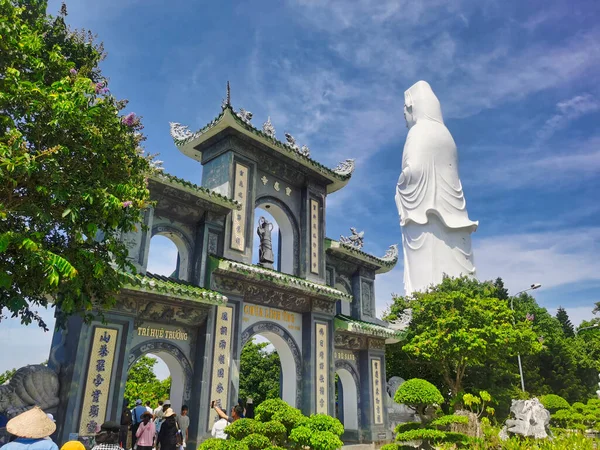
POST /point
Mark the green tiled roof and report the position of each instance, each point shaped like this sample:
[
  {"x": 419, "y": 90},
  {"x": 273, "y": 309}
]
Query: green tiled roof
[
  {"x": 183, "y": 140},
  {"x": 280, "y": 279},
  {"x": 161, "y": 285},
  {"x": 196, "y": 190},
  {"x": 384, "y": 264},
  {"x": 347, "y": 323}
]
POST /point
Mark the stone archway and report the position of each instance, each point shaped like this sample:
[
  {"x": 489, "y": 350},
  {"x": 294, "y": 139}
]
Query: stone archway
[
  {"x": 288, "y": 229},
  {"x": 178, "y": 363},
  {"x": 289, "y": 356},
  {"x": 350, "y": 400}
]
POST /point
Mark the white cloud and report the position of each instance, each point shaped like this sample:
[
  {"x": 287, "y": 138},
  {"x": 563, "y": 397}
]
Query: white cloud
[
  {"x": 568, "y": 111},
  {"x": 552, "y": 258}
]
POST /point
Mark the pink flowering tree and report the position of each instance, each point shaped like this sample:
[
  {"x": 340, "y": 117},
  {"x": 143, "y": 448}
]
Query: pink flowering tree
[{"x": 72, "y": 173}]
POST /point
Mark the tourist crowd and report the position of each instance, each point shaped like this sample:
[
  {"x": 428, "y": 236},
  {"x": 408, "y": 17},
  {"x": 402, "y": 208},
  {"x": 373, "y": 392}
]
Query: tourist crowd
[{"x": 141, "y": 428}]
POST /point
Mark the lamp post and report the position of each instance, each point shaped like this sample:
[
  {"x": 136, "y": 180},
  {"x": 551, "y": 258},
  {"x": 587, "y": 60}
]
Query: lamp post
[
  {"x": 596, "y": 325},
  {"x": 533, "y": 287}
]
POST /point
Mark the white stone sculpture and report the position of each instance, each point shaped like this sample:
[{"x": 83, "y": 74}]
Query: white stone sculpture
[
  {"x": 531, "y": 419},
  {"x": 436, "y": 230}
]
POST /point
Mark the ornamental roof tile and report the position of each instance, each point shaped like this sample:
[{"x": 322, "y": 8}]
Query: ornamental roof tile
[
  {"x": 199, "y": 191},
  {"x": 347, "y": 323},
  {"x": 172, "y": 287},
  {"x": 186, "y": 140},
  {"x": 384, "y": 264},
  {"x": 281, "y": 279}
]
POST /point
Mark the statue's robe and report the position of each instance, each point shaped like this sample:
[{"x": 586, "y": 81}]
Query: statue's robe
[{"x": 436, "y": 230}]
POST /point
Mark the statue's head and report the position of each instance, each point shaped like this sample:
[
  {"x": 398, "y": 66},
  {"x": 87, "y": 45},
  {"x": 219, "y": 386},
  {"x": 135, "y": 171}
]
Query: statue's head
[{"x": 420, "y": 103}]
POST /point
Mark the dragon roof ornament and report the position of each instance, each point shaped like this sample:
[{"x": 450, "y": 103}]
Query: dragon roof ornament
[
  {"x": 391, "y": 255},
  {"x": 355, "y": 240},
  {"x": 345, "y": 168},
  {"x": 246, "y": 116}
]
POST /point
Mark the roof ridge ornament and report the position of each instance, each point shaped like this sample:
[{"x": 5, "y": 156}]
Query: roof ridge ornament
[
  {"x": 355, "y": 240},
  {"x": 391, "y": 254},
  {"x": 345, "y": 167},
  {"x": 304, "y": 151},
  {"x": 180, "y": 132},
  {"x": 227, "y": 101},
  {"x": 246, "y": 116},
  {"x": 291, "y": 142},
  {"x": 268, "y": 128}
]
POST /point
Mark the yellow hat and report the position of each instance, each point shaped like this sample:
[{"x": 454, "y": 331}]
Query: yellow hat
[
  {"x": 73, "y": 445},
  {"x": 32, "y": 424}
]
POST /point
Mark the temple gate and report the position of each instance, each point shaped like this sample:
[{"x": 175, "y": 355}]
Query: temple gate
[{"x": 318, "y": 310}]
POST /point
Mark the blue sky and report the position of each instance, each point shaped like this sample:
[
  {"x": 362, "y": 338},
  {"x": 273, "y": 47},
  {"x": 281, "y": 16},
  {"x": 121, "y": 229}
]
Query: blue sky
[{"x": 519, "y": 87}]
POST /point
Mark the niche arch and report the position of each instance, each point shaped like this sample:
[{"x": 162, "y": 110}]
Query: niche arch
[
  {"x": 289, "y": 249},
  {"x": 183, "y": 244}
]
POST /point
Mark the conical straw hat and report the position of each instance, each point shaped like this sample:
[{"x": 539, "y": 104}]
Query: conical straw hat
[{"x": 33, "y": 424}]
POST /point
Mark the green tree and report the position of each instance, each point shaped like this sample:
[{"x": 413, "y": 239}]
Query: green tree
[
  {"x": 461, "y": 324},
  {"x": 143, "y": 384},
  {"x": 260, "y": 371},
  {"x": 72, "y": 174},
  {"x": 563, "y": 318},
  {"x": 7, "y": 375}
]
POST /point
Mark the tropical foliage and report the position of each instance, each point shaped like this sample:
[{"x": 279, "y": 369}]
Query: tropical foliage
[
  {"x": 459, "y": 326},
  {"x": 143, "y": 384},
  {"x": 72, "y": 173},
  {"x": 260, "y": 371}
]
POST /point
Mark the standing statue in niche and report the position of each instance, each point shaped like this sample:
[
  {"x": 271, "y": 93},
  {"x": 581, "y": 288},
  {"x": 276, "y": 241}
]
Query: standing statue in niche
[
  {"x": 265, "y": 249},
  {"x": 436, "y": 230}
]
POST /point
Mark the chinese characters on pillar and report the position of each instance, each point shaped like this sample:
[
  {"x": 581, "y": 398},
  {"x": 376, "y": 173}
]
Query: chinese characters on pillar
[
  {"x": 314, "y": 237},
  {"x": 322, "y": 372},
  {"x": 221, "y": 359},
  {"x": 238, "y": 224},
  {"x": 377, "y": 391},
  {"x": 97, "y": 386}
]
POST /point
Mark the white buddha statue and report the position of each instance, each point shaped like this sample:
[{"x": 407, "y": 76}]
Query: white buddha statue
[{"x": 436, "y": 230}]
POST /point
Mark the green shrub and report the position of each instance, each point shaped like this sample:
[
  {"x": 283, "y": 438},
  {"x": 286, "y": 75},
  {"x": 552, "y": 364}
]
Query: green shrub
[
  {"x": 256, "y": 441},
  {"x": 290, "y": 418},
  {"x": 578, "y": 406},
  {"x": 323, "y": 422},
  {"x": 553, "y": 402},
  {"x": 325, "y": 440},
  {"x": 421, "y": 434},
  {"x": 222, "y": 444},
  {"x": 418, "y": 394},
  {"x": 264, "y": 412},
  {"x": 300, "y": 436},
  {"x": 244, "y": 427},
  {"x": 402, "y": 427},
  {"x": 275, "y": 431},
  {"x": 444, "y": 421}
]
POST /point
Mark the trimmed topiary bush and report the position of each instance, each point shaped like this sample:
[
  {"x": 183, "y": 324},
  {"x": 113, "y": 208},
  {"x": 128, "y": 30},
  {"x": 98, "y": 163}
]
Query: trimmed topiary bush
[
  {"x": 275, "y": 431},
  {"x": 300, "y": 436},
  {"x": 244, "y": 427},
  {"x": 290, "y": 418},
  {"x": 256, "y": 441},
  {"x": 553, "y": 402},
  {"x": 264, "y": 412},
  {"x": 325, "y": 440},
  {"x": 418, "y": 394},
  {"x": 323, "y": 422},
  {"x": 222, "y": 444}
]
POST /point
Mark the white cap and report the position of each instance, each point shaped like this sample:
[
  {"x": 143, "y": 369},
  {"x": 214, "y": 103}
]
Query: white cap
[{"x": 51, "y": 417}]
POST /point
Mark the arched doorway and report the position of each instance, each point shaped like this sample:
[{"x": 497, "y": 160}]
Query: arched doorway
[
  {"x": 176, "y": 361},
  {"x": 289, "y": 356},
  {"x": 348, "y": 395},
  {"x": 287, "y": 236}
]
